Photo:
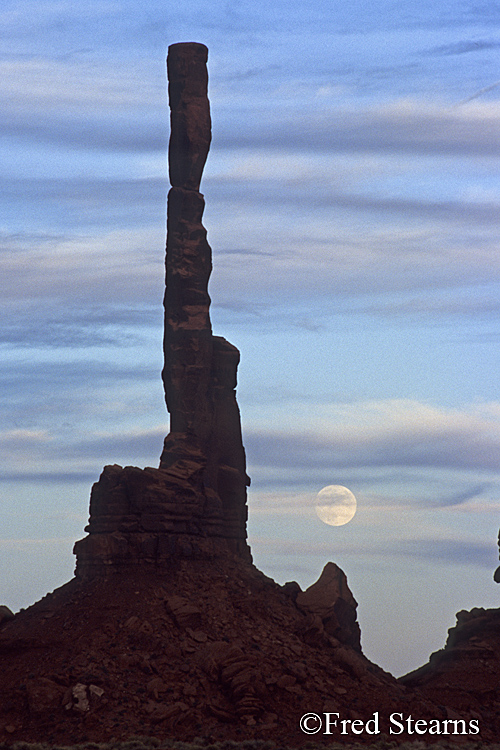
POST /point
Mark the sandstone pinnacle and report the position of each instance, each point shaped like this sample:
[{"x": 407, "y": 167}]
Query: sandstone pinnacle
[{"x": 194, "y": 505}]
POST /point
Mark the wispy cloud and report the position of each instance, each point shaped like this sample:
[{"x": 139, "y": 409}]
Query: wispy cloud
[
  {"x": 404, "y": 125},
  {"x": 438, "y": 550},
  {"x": 79, "y": 328},
  {"x": 49, "y": 477},
  {"x": 100, "y": 199},
  {"x": 462, "y": 497},
  {"x": 390, "y": 433},
  {"x": 85, "y": 103},
  {"x": 397, "y": 434},
  {"x": 468, "y": 303},
  {"x": 61, "y": 456},
  {"x": 120, "y": 265},
  {"x": 47, "y": 84},
  {"x": 477, "y": 94},
  {"x": 463, "y": 47},
  {"x": 134, "y": 442},
  {"x": 34, "y": 544}
]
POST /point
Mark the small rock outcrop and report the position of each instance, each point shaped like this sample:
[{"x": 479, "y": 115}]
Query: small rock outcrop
[
  {"x": 496, "y": 574},
  {"x": 6, "y": 614},
  {"x": 330, "y": 601},
  {"x": 195, "y": 504}
]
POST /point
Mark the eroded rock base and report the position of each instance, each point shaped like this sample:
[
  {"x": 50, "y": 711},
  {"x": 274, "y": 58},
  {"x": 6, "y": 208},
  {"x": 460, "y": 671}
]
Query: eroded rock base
[
  {"x": 152, "y": 517},
  {"x": 217, "y": 651}
]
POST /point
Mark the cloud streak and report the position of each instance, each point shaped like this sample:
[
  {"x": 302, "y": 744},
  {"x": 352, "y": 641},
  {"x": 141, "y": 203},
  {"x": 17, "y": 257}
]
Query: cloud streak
[
  {"x": 79, "y": 328},
  {"x": 438, "y": 550},
  {"x": 464, "y": 47},
  {"x": 386, "y": 434},
  {"x": 111, "y": 267},
  {"x": 402, "y": 126}
]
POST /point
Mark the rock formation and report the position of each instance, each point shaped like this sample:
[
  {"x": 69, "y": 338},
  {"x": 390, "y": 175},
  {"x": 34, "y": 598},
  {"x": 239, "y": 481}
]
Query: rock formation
[
  {"x": 496, "y": 574},
  {"x": 206, "y": 649},
  {"x": 194, "y": 505},
  {"x": 463, "y": 676},
  {"x": 6, "y": 614},
  {"x": 199, "y": 375},
  {"x": 332, "y": 606}
]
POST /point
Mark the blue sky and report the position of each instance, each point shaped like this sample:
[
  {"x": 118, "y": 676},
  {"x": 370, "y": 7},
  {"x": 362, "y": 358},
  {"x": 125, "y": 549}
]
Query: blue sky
[{"x": 353, "y": 194}]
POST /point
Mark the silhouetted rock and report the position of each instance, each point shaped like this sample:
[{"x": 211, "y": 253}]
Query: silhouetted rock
[
  {"x": 331, "y": 600},
  {"x": 190, "y": 126},
  {"x": 151, "y": 517},
  {"x": 463, "y": 676},
  {"x": 291, "y": 589},
  {"x": 199, "y": 373},
  {"x": 496, "y": 575},
  {"x": 194, "y": 505},
  {"x": 198, "y": 649},
  {"x": 5, "y": 614}
]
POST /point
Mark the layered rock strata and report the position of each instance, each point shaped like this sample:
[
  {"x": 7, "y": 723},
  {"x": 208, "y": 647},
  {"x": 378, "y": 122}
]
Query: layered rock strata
[{"x": 194, "y": 505}]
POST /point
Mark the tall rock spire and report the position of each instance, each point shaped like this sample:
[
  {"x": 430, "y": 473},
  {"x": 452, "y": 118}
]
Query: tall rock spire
[
  {"x": 199, "y": 374},
  {"x": 194, "y": 505},
  {"x": 188, "y": 345}
]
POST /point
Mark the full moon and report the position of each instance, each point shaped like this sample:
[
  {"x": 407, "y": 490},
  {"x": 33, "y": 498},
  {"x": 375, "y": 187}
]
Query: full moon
[{"x": 335, "y": 505}]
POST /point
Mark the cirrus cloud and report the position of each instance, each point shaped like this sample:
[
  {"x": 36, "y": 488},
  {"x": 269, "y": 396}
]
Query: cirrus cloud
[{"x": 392, "y": 433}]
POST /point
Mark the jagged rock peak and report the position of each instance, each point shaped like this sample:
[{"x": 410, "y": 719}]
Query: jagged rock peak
[{"x": 331, "y": 601}]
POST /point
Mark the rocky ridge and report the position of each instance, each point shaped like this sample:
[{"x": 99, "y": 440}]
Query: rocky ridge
[
  {"x": 465, "y": 673},
  {"x": 221, "y": 652}
]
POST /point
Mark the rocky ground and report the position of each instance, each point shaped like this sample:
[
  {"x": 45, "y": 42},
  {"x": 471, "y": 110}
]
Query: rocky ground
[
  {"x": 465, "y": 674},
  {"x": 219, "y": 652}
]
